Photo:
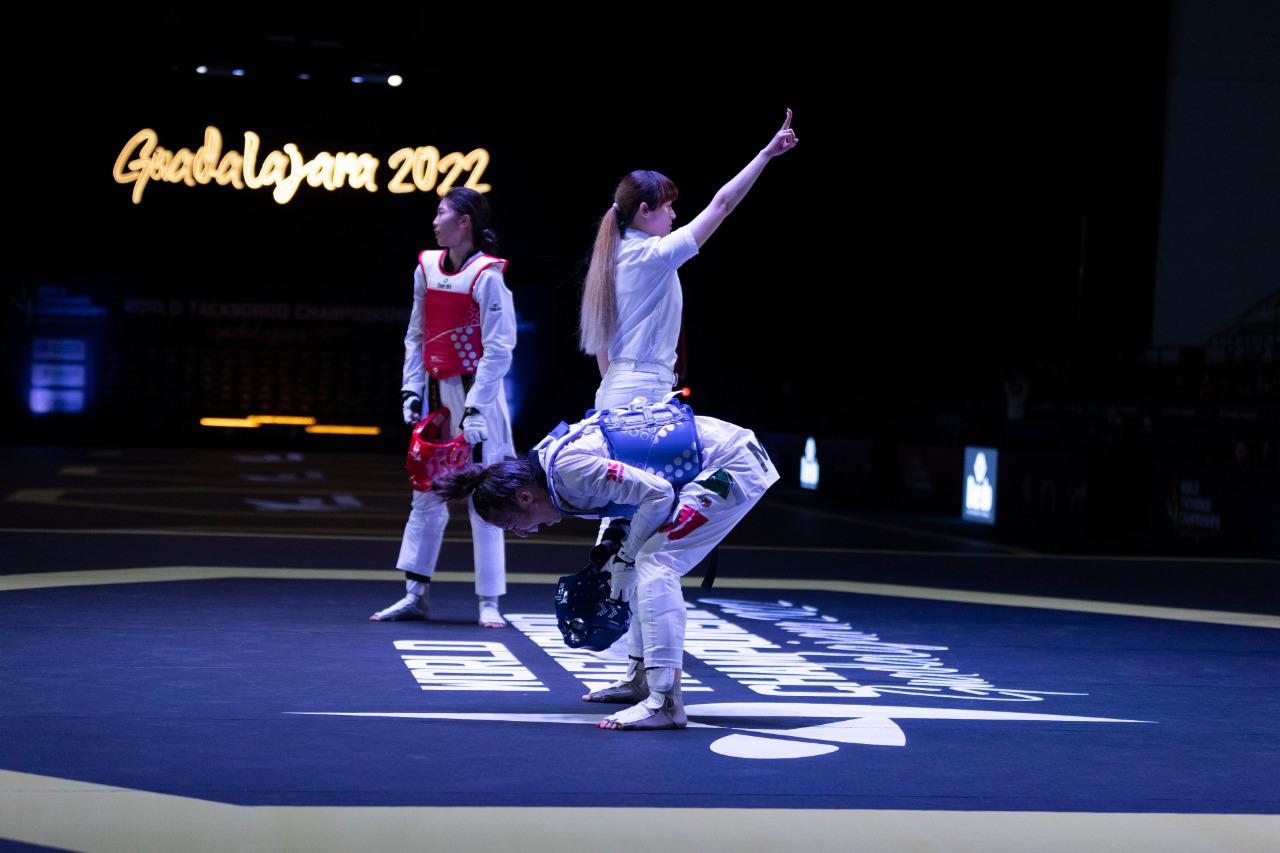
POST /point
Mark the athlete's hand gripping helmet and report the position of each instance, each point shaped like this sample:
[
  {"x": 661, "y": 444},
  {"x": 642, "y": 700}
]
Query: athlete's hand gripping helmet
[
  {"x": 430, "y": 457},
  {"x": 586, "y": 615}
]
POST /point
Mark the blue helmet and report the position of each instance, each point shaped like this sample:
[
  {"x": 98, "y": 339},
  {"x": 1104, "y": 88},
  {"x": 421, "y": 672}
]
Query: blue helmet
[{"x": 585, "y": 614}]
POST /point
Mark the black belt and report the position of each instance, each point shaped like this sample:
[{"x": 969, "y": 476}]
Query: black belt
[
  {"x": 710, "y": 563},
  {"x": 434, "y": 402},
  {"x": 433, "y": 389}
]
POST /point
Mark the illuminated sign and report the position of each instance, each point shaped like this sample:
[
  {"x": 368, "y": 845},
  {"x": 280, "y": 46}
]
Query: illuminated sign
[
  {"x": 308, "y": 423},
  {"x": 61, "y": 374},
  {"x": 980, "y": 485},
  {"x": 333, "y": 429},
  {"x": 809, "y": 465},
  {"x": 420, "y": 169}
]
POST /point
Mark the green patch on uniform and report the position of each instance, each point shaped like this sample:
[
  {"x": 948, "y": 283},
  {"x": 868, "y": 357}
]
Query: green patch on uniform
[{"x": 720, "y": 482}]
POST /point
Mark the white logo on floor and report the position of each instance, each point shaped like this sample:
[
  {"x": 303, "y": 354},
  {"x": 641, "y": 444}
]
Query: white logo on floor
[
  {"x": 867, "y": 725},
  {"x": 754, "y": 662}
]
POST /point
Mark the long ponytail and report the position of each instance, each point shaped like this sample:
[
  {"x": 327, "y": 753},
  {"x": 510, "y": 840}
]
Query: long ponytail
[
  {"x": 492, "y": 490},
  {"x": 599, "y": 318}
]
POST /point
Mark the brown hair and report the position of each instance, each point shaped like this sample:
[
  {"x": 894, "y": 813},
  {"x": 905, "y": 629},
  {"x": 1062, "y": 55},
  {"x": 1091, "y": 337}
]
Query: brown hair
[{"x": 492, "y": 490}]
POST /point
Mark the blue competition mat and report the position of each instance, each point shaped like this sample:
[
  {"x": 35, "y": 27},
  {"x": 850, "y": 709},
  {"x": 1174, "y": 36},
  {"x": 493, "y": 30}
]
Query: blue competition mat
[{"x": 278, "y": 692}]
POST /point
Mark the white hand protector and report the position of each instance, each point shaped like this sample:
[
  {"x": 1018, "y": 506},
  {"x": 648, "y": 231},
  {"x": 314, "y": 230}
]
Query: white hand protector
[
  {"x": 622, "y": 577},
  {"x": 474, "y": 429},
  {"x": 411, "y": 407}
]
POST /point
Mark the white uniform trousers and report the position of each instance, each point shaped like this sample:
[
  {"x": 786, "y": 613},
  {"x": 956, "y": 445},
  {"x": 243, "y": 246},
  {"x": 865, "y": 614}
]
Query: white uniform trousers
[
  {"x": 424, "y": 531},
  {"x": 701, "y": 521}
]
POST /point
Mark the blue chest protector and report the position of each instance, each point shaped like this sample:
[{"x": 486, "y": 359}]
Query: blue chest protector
[{"x": 660, "y": 439}]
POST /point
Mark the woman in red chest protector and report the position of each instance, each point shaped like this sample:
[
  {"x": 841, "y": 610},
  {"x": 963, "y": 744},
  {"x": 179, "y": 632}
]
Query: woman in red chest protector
[{"x": 458, "y": 347}]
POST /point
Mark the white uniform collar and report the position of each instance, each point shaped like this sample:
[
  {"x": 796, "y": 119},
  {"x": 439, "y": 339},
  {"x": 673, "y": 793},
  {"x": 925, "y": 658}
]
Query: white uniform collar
[
  {"x": 549, "y": 448},
  {"x": 444, "y": 258}
]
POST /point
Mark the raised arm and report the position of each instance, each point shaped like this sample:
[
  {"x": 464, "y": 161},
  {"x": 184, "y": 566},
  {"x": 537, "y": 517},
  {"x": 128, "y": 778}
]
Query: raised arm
[{"x": 706, "y": 222}]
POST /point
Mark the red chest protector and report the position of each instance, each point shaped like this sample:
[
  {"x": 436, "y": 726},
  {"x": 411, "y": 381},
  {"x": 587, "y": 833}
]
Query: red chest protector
[{"x": 450, "y": 317}]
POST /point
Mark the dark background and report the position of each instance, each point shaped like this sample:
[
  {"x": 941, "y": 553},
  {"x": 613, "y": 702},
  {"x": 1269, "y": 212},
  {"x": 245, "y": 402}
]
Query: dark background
[{"x": 977, "y": 198}]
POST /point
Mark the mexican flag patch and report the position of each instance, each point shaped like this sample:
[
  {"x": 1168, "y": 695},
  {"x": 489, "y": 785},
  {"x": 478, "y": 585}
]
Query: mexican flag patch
[{"x": 720, "y": 482}]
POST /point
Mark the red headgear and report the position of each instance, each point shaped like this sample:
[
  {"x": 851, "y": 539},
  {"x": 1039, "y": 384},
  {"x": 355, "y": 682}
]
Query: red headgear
[{"x": 429, "y": 457}]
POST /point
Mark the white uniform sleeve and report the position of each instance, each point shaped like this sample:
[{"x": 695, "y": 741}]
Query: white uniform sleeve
[
  {"x": 587, "y": 479},
  {"x": 668, "y": 252},
  {"x": 497, "y": 336},
  {"x": 413, "y": 377},
  {"x": 677, "y": 247}
]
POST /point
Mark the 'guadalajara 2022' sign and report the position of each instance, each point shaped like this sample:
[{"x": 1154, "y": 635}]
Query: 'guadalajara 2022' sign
[{"x": 420, "y": 169}]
